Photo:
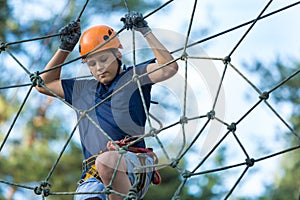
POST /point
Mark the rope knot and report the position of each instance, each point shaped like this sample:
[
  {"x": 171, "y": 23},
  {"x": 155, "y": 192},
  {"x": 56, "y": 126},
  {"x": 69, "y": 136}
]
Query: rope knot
[
  {"x": 36, "y": 79},
  {"x": 83, "y": 113},
  {"x": 184, "y": 56},
  {"x": 135, "y": 78},
  {"x": 3, "y": 46},
  {"x": 107, "y": 190},
  {"x": 43, "y": 188},
  {"x": 186, "y": 174},
  {"x": 264, "y": 96},
  {"x": 211, "y": 114},
  {"x": 232, "y": 127},
  {"x": 183, "y": 120},
  {"x": 226, "y": 60},
  {"x": 250, "y": 162},
  {"x": 153, "y": 132},
  {"x": 174, "y": 163},
  {"x": 123, "y": 150}
]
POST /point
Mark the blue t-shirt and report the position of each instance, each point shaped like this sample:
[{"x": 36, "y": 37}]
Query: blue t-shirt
[{"x": 115, "y": 110}]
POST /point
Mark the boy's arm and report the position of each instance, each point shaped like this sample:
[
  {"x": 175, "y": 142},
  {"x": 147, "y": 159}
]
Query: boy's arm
[
  {"x": 136, "y": 21},
  {"x": 69, "y": 37},
  {"x": 162, "y": 56},
  {"x": 52, "y": 78}
]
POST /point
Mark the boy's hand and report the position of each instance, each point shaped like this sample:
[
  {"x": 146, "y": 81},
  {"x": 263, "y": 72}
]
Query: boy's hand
[
  {"x": 135, "y": 20},
  {"x": 110, "y": 146},
  {"x": 70, "y": 35}
]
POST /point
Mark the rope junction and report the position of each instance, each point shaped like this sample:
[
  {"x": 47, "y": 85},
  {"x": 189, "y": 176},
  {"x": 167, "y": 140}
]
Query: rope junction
[{"x": 44, "y": 189}]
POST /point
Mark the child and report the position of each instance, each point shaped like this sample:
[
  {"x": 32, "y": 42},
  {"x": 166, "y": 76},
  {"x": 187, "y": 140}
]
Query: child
[{"x": 119, "y": 110}]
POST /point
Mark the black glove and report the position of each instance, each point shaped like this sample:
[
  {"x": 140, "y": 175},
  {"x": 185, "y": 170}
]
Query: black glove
[
  {"x": 135, "y": 20},
  {"x": 69, "y": 36}
]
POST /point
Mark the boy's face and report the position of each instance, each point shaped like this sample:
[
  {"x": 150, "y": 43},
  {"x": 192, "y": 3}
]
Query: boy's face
[{"x": 103, "y": 65}]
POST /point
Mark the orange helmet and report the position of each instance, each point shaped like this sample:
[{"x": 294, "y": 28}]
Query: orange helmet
[{"x": 95, "y": 36}]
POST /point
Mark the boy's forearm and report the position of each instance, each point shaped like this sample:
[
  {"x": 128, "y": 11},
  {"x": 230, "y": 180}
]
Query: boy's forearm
[
  {"x": 161, "y": 53},
  {"x": 162, "y": 56},
  {"x": 58, "y": 58}
]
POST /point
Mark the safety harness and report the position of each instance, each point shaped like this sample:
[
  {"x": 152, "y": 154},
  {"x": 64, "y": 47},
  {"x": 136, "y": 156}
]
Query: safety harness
[{"x": 89, "y": 166}]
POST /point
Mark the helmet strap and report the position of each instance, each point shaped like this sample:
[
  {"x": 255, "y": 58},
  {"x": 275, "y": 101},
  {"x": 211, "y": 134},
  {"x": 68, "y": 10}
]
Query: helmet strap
[{"x": 119, "y": 63}]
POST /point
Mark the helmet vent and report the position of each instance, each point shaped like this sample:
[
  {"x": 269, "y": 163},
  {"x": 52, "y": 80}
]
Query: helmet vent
[{"x": 105, "y": 37}]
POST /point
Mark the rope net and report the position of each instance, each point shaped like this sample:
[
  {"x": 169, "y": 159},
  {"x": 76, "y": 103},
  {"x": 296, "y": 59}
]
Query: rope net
[{"x": 158, "y": 134}]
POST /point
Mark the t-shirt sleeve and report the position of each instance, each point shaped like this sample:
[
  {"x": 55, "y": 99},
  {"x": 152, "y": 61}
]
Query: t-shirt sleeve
[
  {"x": 141, "y": 70},
  {"x": 68, "y": 86}
]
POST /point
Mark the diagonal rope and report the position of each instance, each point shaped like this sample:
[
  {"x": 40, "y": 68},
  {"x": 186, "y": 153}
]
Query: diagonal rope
[
  {"x": 63, "y": 150},
  {"x": 82, "y": 10},
  {"x": 15, "y": 118},
  {"x": 248, "y": 30}
]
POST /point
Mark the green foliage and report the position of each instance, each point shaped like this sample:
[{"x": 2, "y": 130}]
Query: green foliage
[
  {"x": 5, "y": 21},
  {"x": 6, "y": 110},
  {"x": 170, "y": 182},
  {"x": 30, "y": 158}
]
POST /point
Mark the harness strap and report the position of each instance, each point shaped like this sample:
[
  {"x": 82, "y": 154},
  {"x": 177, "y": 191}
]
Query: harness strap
[
  {"x": 142, "y": 176},
  {"x": 89, "y": 166},
  {"x": 89, "y": 162},
  {"x": 156, "y": 178}
]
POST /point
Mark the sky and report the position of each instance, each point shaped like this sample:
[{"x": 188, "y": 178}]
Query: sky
[{"x": 271, "y": 38}]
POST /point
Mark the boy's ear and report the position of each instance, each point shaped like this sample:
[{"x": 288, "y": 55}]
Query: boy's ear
[{"x": 119, "y": 54}]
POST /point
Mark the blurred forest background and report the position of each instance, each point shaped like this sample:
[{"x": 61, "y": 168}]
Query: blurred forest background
[{"x": 42, "y": 127}]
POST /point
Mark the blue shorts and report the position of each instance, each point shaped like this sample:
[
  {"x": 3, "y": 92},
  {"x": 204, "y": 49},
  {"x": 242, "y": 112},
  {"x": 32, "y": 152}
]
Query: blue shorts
[{"x": 93, "y": 185}]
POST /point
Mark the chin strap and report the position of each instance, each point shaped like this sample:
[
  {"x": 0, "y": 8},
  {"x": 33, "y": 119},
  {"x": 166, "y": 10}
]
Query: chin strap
[
  {"x": 119, "y": 62},
  {"x": 119, "y": 65}
]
